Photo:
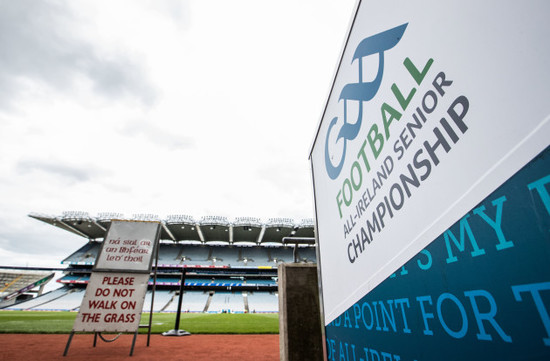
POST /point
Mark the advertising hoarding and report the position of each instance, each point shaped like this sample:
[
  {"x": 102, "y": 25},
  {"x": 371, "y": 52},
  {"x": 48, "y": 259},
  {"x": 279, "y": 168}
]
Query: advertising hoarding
[
  {"x": 434, "y": 105},
  {"x": 479, "y": 291}
]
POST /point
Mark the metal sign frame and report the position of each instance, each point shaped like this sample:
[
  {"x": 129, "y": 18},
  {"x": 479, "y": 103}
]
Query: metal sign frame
[{"x": 155, "y": 254}]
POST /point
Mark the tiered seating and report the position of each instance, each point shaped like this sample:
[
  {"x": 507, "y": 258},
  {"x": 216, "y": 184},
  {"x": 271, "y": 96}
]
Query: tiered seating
[
  {"x": 224, "y": 282},
  {"x": 230, "y": 302},
  {"x": 208, "y": 255},
  {"x": 307, "y": 254},
  {"x": 261, "y": 282},
  {"x": 253, "y": 257},
  {"x": 85, "y": 255},
  {"x": 199, "y": 281},
  {"x": 47, "y": 297},
  {"x": 224, "y": 256},
  {"x": 15, "y": 281},
  {"x": 278, "y": 255},
  {"x": 218, "y": 282},
  {"x": 192, "y": 301},
  {"x": 169, "y": 254},
  {"x": 166, "y": 281},
  {"x": 69, "y": 279},
  {"x": 194, "y": 255},
  {"x": 162, "y": 297},
  {"x": 70, "y": 301},
  {"x": 75, "y": 278},
  {"x": 263, "y": 302}
]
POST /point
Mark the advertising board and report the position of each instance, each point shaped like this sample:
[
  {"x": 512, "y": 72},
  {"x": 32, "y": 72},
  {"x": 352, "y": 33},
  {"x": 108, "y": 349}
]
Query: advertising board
[
  {"x": 479, "y": 291},
  {"x": 434, "y": 106}
]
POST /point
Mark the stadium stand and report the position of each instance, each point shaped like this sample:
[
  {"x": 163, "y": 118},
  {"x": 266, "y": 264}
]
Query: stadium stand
[
  {"x": 252, "y": 256},
  {"x": 168, "y": 254},
  {"x": 280, "y": 254},
  {"x": 307, "y": 254},
  {"x": 38, "y": 301},
  {"x": 192, "y": 301},
  {"x": 192, "y": 255},
  {"x": 162, "y": 299},
  {"x": 70, "y": 301},
  {"x": 224, "y": 256},
  {"x": 226, "y": 302},
  {"x": 17, "y": 285},
  {"x": 85, "y": 255},
  {"x": 262, "y": 302},
  {"x": 231, "y": 265}
]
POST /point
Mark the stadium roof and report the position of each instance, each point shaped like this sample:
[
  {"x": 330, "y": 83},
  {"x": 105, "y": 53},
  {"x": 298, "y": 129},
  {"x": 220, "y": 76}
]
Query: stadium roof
[{"x": 184, "y": 228}]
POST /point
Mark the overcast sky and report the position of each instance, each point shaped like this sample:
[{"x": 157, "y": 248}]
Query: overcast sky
[{"x": 163, "y": 107}]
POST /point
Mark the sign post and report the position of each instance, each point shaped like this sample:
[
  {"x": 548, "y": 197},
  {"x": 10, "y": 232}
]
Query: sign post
[
  {"x": 114, "y": 296},
  {"x": 431, "y": 162},
  {"x": 176, "y": 330}
]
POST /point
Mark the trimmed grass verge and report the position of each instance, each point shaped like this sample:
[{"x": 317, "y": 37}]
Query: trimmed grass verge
[{"x": 196, "y": 323}]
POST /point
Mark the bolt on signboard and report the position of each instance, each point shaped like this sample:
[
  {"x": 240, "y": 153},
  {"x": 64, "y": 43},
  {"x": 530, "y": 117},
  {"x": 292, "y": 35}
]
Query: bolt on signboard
[
  {"x": 114, "y": 296},
  {"x": 437, "y": 119}
]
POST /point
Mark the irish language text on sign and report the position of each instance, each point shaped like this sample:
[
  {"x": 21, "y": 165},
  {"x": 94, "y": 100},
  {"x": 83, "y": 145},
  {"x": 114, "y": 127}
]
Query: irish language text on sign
[
  {"x": 128, "y": 246},
  {"x": 112, "y": 303}
]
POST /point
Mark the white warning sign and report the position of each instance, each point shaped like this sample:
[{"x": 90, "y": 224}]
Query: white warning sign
[{"x": 113, "y": 303}]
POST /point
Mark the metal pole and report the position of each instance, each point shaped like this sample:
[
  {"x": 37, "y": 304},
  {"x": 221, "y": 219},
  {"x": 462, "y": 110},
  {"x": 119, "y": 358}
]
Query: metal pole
[
  {"x": 180, "y": 299},
  {"x": 176, "y": 331},
  {"x": 68, "y": 344},
  {"x": 157, "y": 246},
  {"x": 134, "y": 343}
]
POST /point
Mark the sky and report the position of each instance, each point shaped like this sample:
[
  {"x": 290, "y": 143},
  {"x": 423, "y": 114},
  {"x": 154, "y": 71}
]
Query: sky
[{"x": 160, "y": 107}]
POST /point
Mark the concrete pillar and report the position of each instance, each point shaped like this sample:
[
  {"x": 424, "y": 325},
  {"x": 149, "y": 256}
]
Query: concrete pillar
[{"x": 300, "y": 336}]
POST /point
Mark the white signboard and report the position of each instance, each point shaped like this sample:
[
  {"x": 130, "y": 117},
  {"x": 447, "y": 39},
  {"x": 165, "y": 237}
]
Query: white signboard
[
  {"x": 433, "y": 106},
  {"x": 128, "y": 246},
  {"x": 114, "y": 300},
  {"x": 113, "y": 303}
]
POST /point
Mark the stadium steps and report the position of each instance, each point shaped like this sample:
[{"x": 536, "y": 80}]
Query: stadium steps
[
  {"x": 245, "y": 298},
  {"x": 180, "y": 255},
  {"x": 47, "y": 300},
  {"x": 169, "y": 302},
  {"x": 11, "y": 283},
  {"x": 208, "y": 302},
  {"x": 51, "y": 300}
]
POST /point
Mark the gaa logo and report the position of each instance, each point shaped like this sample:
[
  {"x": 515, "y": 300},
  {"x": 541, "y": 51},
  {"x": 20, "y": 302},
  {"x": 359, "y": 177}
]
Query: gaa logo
[{"x": 360, "y": 92}]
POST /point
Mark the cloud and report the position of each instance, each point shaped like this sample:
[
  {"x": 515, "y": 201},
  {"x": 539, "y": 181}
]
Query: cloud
[
  {"x": 25, "y": 236},
  {"x": 174, "y": 9},
  {"x": 157, "y": 135},
  {"x": 70, "y": 173},
  {"x": 38, "y": 45}
]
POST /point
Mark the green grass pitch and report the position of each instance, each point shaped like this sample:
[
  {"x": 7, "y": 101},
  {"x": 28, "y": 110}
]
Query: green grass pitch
[{"x": 196, "y": 323}]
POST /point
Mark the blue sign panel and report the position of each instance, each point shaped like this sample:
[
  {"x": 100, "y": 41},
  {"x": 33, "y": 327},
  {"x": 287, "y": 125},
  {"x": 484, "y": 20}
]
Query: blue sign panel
[{"x": 480, "y": 291}]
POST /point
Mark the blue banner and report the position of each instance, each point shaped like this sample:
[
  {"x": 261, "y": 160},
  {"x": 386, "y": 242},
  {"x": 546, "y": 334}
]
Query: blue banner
[{"x": 480, "y": 291}]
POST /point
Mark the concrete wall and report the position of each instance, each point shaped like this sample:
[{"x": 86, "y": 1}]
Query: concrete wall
[{"x": 300, "y": 336}]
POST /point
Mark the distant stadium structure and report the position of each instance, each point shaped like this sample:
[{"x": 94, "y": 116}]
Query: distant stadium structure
[
  {"x": 18, "y": 285},
  {"x": 231, "y": 266}
]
